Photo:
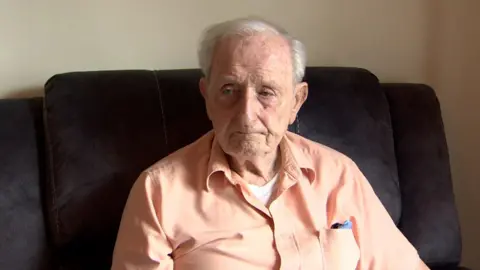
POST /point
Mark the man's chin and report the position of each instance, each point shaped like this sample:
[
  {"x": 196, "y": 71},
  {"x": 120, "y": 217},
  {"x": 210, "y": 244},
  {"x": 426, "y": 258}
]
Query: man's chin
[{"x": 246, "y": 148}]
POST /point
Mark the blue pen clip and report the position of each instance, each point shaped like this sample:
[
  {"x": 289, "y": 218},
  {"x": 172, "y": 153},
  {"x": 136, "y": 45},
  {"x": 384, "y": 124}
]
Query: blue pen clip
[{"x": 345, "y": 225}]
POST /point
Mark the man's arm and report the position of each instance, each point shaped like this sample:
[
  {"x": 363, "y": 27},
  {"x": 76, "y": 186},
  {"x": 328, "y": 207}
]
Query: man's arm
[
  {"x": 141, "y": 242},
  {"x": 382, "y": 245}
]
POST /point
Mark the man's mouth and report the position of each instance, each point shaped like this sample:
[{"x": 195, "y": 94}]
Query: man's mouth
[{"x": 250, "y": 132}]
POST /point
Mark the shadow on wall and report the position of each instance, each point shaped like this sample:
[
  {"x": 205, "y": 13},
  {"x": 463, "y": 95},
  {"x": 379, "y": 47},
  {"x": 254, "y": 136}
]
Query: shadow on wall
[
  {"x": 26, "y": 92},
  {"x": 453, "y": 54}
]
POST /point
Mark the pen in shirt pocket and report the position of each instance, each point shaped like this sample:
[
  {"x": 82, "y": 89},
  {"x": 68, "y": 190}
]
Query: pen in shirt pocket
[{"x": 345, "y": 225}]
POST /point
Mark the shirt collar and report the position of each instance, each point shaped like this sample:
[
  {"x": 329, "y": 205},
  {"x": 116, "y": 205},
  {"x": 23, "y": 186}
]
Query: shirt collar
[
  {"x": 295, "y": 161},
  {"x": 296, "y": 158},
  {"x": 217, "y": 163}
]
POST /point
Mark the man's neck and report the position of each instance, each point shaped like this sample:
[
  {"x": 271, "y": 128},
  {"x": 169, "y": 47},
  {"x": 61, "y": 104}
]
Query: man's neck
[{"x": 256, "y": 170}]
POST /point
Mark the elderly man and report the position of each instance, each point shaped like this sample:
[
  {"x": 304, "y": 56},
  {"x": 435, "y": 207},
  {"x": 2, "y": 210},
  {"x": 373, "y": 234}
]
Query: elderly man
[{"x": 249, "y": 194}]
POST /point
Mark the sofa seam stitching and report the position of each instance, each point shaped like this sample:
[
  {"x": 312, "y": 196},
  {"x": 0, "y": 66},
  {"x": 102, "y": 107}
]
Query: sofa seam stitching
[
  {"x": 52, "y": 174},
  {"x": 159, "y": 90}
]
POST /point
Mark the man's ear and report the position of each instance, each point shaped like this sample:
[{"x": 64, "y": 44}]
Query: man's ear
[
  {"x": 202, "y": 84},
  {"x": 301, "y": 93}
]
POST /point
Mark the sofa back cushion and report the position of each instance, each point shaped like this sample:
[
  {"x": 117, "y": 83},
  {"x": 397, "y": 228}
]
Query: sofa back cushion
[
  {"x": 103, "y": 129},
  {"x": 347, "y": 110}
]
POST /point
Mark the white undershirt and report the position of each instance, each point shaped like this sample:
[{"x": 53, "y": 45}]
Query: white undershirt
[{"x": 264, "y": 193}]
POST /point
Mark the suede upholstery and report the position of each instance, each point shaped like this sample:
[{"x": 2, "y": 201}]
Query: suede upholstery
[
  {"x": 23, "y": 241},
  {"x": 427, "y": 210},
  {"x": 347, "y": 110},
  {"x": 65, "y": 191},
  {"x": 104, "y": 128}
]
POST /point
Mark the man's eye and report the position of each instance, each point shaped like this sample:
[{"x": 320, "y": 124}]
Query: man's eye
[
  {"x": 227, "y": 90},
  {"x": 266, "y": 93}
]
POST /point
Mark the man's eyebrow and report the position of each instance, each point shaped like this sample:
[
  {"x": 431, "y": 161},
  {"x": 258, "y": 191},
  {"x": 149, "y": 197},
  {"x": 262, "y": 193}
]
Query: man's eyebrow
[
  {"x": 235, "y": 79},
  {"x": 229, "y": 78},
  {"x": 271, "y": 83}
]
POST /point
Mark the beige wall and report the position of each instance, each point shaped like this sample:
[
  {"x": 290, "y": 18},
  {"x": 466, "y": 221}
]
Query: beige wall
[
  {"x": 431, "y": 41},
  {"x": 453, "y": 70},
  {"x": 41, "y": 38}
]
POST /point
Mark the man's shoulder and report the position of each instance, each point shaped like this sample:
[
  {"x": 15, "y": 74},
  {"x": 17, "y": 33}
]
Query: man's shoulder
[
  {"x": 316, "y": 151},
  {"x": 333, "y": 169},
  {"x": 184, "y": 159}
]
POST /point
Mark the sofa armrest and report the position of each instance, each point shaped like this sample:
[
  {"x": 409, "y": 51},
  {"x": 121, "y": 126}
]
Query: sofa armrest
[
  {"x": 429, "y": 216},
  {"x": 449, "y": 268}
]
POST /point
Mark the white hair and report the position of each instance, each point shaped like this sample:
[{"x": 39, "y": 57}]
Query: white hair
[{"x": 248, "y": 26}]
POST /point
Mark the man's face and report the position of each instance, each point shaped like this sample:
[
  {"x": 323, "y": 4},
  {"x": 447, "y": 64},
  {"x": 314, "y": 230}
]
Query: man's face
[{"x": 251, "y": 96}]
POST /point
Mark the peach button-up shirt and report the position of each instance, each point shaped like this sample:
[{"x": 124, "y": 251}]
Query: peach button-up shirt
[{"x": 190, "y": 211}]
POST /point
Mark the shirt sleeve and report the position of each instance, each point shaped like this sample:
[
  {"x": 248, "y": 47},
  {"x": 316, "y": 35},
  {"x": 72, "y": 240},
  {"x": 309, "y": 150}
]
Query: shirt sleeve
[
  {"x": 141, "y": 242},
  {"x": 382, "y": 245}
]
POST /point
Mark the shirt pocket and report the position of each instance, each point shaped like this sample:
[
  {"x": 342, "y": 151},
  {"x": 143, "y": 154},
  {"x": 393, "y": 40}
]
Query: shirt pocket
[{"x": 340, "y": 249}]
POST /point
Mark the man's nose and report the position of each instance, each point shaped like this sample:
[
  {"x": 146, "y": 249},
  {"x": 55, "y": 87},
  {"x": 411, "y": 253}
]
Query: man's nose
[{"x": 248, "y": 105}]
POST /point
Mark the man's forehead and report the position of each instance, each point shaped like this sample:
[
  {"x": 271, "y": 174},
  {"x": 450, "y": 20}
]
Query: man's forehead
[
  {"x": 267, "y": 55},
  {"x": 259, "y": 45}
]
